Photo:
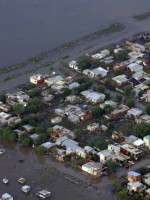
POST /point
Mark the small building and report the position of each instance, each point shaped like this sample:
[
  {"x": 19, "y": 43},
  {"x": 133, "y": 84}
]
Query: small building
[
  {"x": 37, "y": 79},
  {"x": 81, "y": 152},
  {"x": 119, "y": 111},
  {"x": 93, "y": 97},
  {"x": 134, "y": 67},
  {"x": 7, "y": 196},
  {"x": 28, "y": 128},
  {"x": 73, "y": 65},
  {"x": 105, "y": 156},
  {"x": 120, "y": 80},
  {"x": 56, "y": 120},
  {"x": 93, "y": 168},
  {"x": 98, "y": 72},
  {"x": 94, "y": 127},
  {"x": 26, "y": 189},
  {"x": 146, "y": 179},
  {"x": 4, "y": 115},
  {"x": 136, "y": 186},
  {"x": 48, "y": 145},
  {"x": 73, "y": 118},
  {"x": 73, "y": 85},
  {"x": 109, "y": 102},
  {"x": 44, "y": 194},
  {"x": 116, "y": 135},
  {"x": 147, "y": 192},
  {"x": 114, "y": 148},
  {"x": 131, "y": 151},
  {"x": 134, "y": 176},
  {"x": 147, "y": 141},
  {"x": 134, "y": 112}
]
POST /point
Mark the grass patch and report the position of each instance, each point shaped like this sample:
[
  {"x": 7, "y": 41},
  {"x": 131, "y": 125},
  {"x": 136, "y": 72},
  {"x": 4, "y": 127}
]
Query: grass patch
[
  {"x": 34, "y": 60},
  {"x": 63, "y": 63},
  {"x": 142, "y": 16}
]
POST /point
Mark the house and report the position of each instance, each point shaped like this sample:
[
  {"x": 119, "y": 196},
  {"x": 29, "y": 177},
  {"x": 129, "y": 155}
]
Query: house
[
  {"x": 93, "y": 97},
  {"x": 48, "y": 145},
  {"x": 56, "y": 120},
  {"x": 55, "y": 80},
  {"x": 26, "y": 189},
  {"x": 28, "y": 128},
  {"x": 37, "y": 79},
  {"x": 93, "y": 168},
  {"x": 109, "y": 102},
  {"x": 60, "y": 112},
  {"x": 73, "y": 85},
  {"x": 7, "y": 196},
  {"x": 105, "y": 156},
  {"x": 81, "y": 152},
  {"x": 94, "y": 127},
  {"x": 132, "y": 81},
  {"x": 120, "y": 80},
  {"x": 73, "y": 65},
  {"x": 103, "y": 127},
  {"x": 131, "y": 151},
  {"x": 147, "y": 141},
  {"x": 136, "y": 186},
  {"x": 114, "y": 148},
  {"x": 134, "y": 113},
  {"x": 134, "y": 176},
  {"x": 120, "y": 110},
  {"x": 146, "y": 96},
  {"x": 4, "y": 115},
  {"x": 147, "y": 192},
  {"x": 134, "y": 67},
  {"x": 117, "y": 135},
  {"x": 98, "y": 56},
  {"x": 14, "y": 120},
  {"x": 137, "y": 47},
  {"x": 71, "y": 98},
  {"x": 34, "y": 137},
  {"x": 86, "y": 115},
  {"x": 140, "y": 88},
  {"x": 59, "y": 131},
  {"x": 73, "y": 118},
  {"x": 4, "y": 107},
  {"x": 146, "y": 179},
  {"x": 143, "y": 118},
  {"x": 89, "y": 149},
  {"x": 135, "y": 55},
  {"x": 44, "y": 194},
  {"x": 98, "y": 72}
]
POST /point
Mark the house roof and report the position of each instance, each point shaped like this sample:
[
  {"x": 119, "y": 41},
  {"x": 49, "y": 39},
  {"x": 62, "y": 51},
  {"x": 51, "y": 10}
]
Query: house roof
[
  {"x": 134, "y": 173},
  {"x": 93, "y": 165}
]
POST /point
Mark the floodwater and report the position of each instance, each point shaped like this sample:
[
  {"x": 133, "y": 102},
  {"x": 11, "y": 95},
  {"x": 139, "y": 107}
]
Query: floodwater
[
  {"x": 28, "y": 27},
  {"x": 42, "y": 172}
]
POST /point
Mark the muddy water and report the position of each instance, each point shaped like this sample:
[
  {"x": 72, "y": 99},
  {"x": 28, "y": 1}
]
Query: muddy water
[
  {"x": 42, "y": 172},
  {"x": 28, "y": 27}
]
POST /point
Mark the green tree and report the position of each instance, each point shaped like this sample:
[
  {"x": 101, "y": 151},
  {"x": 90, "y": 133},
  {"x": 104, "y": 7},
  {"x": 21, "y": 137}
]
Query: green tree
[
  {"x": 97, "y": 111},
  {"x": 96, "y": 63},
  {"x": 49, "y": 130},
  {"x": 130, "y": 103},
  {"x": 122, "y": 194},
  {"x": 34, "y": 92},
  {"x": 77, "y": 133},
  {"x": 6, "y": 133},
  {"x": 12, "y": 137},
  {"x": 118, "y": 97},
  {"x": 3, "y": 97},
  {"x": 41, "y": 150},
  {"x": 142, "y": 129},
  {"x": 34, "y": 104},
  {"x": 121, "y": 55},
  {"x": 84, "y": 62},
  {"x": 100, "y": 88},
  {"x": 39, "y": 129},
  {"x": 117, "y": 186},
  {"x": 108, "y": 109},
  {"x": 40, "y": 139},
  {"x": 143, "y": 170},
  {"x": 111, "y": 166},
  {"x": 127, "y": 89},
  {"x": 18, "y": 109},
  {"x": 27, "y": 141},
  {"x": 66, "y": 92},
  {"x": 147, "y": 109},
  {"x": 1, "y": 131}
]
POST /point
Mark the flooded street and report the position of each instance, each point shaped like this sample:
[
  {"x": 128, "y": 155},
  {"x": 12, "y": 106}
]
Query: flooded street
[
  {"x": 29, "y": 27},
  {"x": 45, "y": 173}
]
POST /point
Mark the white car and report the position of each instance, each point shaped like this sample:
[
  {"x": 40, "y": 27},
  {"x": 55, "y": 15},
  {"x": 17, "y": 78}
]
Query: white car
[{"x": 2, "y": 151}]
